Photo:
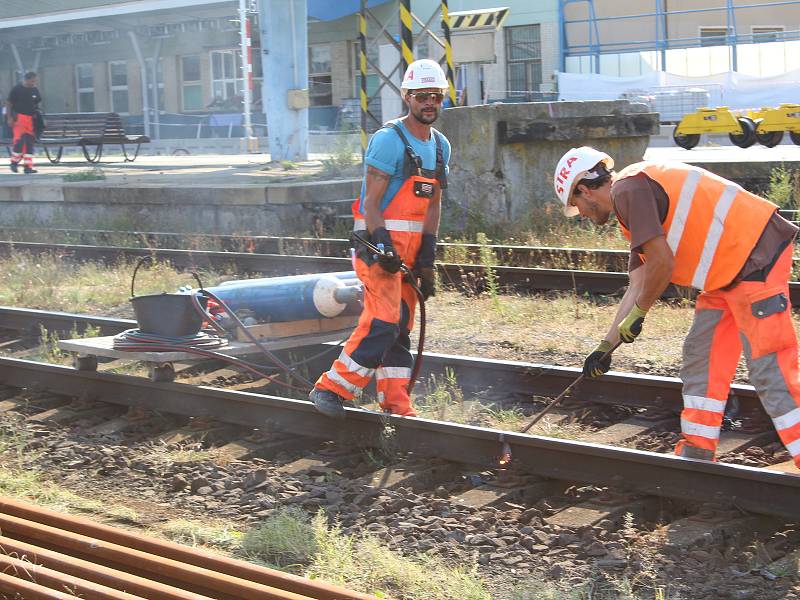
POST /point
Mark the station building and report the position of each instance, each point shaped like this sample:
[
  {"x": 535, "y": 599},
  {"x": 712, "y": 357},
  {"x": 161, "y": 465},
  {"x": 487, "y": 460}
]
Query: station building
[{"x": 177, "y": 63}]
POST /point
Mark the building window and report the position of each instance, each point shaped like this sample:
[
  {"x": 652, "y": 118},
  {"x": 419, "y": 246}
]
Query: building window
[
  {"x": 524, "y": 59},
  {"x": 714, "y": 36},
  {"x": 192, "y": 86},
  {"x": 85, "y": 86},
  {"x": 226, "y": 82},
  {"x": 320, "y": 86},
  {"x": 160, "y": 79},
  {"x": 118, "y": 82},
  {"x": 764, "y": 34}
]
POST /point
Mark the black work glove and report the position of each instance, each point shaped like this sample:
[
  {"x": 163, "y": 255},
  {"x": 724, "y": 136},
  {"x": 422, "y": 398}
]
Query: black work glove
[
  {"x": 593, "y": 366},
  {"x": 424, "y": 271},
  {"x": 426, "y": 278},
  {"x": 389, "y": 261}
]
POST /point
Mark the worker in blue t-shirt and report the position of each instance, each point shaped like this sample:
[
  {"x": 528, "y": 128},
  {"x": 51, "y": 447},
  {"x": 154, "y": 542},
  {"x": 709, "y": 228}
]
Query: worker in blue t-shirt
[{"x": 399, "y": 209}]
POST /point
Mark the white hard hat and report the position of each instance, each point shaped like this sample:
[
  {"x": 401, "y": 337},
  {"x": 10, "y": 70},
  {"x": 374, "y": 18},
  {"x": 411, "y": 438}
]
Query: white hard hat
[
  {"x": 574, "y": 166},
  {"x": 424, "y": 73}
]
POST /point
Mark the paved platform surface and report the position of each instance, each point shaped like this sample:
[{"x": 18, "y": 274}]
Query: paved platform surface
[
  {"x": 255, "y": 170},
  {"x": 726, "y": 154},
  {"x": 213, "y": 170}
]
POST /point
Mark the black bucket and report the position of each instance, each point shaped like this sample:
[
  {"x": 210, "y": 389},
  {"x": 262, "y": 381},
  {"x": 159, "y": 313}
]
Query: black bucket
[{"x": 171, "y": 315}]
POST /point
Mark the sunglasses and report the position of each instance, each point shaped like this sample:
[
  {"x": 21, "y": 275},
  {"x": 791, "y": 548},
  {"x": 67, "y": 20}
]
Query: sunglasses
[{"x": 425, "y": 96}]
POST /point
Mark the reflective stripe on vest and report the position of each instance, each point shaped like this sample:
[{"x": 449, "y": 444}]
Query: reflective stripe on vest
[
  {"x": 712, "y": 224},
  {"x": 392, "y": 225}
]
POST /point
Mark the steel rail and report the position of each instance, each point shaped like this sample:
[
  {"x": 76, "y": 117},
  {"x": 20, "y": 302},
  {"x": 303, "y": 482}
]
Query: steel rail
[
  {"x": 633, "y": 470},
  {"x": 521, "y": 279},
  {"x": 473, "y": 374},
  {"x": 509, "y": 254},
  {"x": 195, "y": 579},
  {"x": 169, "y": 550},
  {"x": 52, "y": 579},
  {"x": 100, "y": 574},
  {"x": 28, "y": 319}
]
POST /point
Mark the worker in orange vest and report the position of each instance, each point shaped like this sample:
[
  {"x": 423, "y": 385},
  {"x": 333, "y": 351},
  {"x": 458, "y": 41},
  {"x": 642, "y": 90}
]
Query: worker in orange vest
[
  {"x": 692, "y": 228},
  {"x": 399, "y": 210}
]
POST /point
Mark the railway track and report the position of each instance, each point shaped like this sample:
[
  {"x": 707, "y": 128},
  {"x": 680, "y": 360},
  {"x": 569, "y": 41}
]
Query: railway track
[
  {"x": 439, "y": 487},
  {"x": 463, "y": 276},
  {"x": 590, "y": 463},
  {"x": 504, "y": 254}
]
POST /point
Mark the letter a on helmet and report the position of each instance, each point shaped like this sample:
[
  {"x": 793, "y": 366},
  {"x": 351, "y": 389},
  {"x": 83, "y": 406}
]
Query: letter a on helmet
[{"x": 573, "y": 167}]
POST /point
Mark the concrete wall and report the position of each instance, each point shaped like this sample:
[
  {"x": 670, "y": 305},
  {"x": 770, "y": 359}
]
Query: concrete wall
[
  {"x": 268, "y": 210},
  {"x": 504, "y": 154}
]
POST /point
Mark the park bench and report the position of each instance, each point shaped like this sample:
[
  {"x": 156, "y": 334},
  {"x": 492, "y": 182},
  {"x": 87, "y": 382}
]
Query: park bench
[{"x": 86, "y": 130}]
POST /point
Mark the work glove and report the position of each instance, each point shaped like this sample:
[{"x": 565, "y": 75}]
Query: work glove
[
  {"x": 389, "y": 260},
  {"x": 424, "y": 270},
  {"x": 631, "y": 325},
  {"x": 595, "y": 365},
  {"x": 426, "y": 277}
]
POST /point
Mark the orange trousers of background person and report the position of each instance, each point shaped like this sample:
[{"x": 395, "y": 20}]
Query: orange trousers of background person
[
  {"x": 754, "y": 316},
  {"x": 24, "y": 139}
]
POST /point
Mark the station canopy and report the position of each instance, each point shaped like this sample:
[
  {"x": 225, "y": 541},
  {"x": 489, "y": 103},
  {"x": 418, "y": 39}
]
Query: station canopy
[{"x": 325, "y": 10}]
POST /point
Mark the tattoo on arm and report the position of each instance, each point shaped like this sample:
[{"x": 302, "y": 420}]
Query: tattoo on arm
[{"x": 377, "y": 173}]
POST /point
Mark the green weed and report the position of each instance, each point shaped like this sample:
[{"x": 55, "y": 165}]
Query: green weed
[
  {"x": 95, "y": 174},
  {"x": 781, "y": 188}
]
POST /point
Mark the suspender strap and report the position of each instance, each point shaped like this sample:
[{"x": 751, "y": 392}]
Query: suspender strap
[
  {"x": 440, "y": 172},
  {"x": 414, "y": 161}
]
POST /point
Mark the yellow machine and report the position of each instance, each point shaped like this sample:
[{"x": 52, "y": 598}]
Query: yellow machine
[
  {"x": 772, "y": 122},
  {"x": 740, "y": 129}
]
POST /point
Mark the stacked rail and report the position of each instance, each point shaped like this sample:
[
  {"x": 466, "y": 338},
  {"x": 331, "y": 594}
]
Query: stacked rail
[{"x": 46, "y": 554}]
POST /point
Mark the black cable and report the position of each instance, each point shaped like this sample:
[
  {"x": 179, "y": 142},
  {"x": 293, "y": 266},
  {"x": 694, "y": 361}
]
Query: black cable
[{"x": 289, "y": 370}]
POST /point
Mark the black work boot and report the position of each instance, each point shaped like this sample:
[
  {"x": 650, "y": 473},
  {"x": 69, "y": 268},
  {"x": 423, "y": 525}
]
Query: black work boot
[
  {"x": 328, "y": 403},
  {"x": 14, "y": 167},
  {"x": 29, "y": 171}
]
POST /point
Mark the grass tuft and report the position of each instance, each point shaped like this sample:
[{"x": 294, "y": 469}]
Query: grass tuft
[
  {"x": 364, "y": 564},
  {"x": 213, "y": 536},
  {"x": 284, "y": 540},
  {"x": 95, "y": 174}
]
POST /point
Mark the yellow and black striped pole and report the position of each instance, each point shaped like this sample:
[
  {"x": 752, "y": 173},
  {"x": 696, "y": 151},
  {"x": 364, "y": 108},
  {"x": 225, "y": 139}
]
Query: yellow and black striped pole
[
  {"x": 406, "y": 35},
  {"x": 362, "y": 41},
  {"x": 448, "y": 51}
]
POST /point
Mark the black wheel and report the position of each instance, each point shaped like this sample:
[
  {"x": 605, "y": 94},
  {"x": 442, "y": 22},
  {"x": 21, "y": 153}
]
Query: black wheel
[
  {"x": 165, "y": 372},
  {"x": 795, "y": 135},
  {"x": 748, "y": 136},
  {"x": 770, "y": 139},
  {"x": 687, "y": 141},
  {"x": 85, "y": 363}
]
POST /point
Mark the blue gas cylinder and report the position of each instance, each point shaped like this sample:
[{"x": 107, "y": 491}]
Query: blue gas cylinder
[{"x": 292, "y": 298}]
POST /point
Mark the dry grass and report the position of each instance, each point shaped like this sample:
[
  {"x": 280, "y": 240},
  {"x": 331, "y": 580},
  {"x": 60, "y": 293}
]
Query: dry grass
[
  {"x": 50, "y": 282},
  {"x": 552, "y": 328}
]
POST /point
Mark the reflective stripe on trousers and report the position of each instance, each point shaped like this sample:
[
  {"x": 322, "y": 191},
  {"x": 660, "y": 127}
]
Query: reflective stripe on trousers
[
  {"x": 725, "y": 323},
  {"x": 380, "y": 344}
]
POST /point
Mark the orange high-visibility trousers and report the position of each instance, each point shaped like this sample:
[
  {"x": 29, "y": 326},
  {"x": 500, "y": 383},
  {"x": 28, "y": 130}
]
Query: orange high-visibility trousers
[
  {"x": 380, "y": 345},
  {"x": 754, "y": 316},
  {"x": 24, "y": 139}
]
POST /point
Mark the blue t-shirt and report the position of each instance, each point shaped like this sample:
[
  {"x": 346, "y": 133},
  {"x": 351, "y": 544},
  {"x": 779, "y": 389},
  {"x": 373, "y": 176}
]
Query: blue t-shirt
[{"x": 387, "y": 152}]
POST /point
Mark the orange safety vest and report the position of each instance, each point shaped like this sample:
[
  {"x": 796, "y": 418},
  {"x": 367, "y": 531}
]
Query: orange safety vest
[
  {"x": 405, "y": 214},
  {"x": 712, "y": 224}
]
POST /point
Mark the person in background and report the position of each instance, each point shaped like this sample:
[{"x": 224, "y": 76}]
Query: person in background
[{"x": 22, "y": 106}]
